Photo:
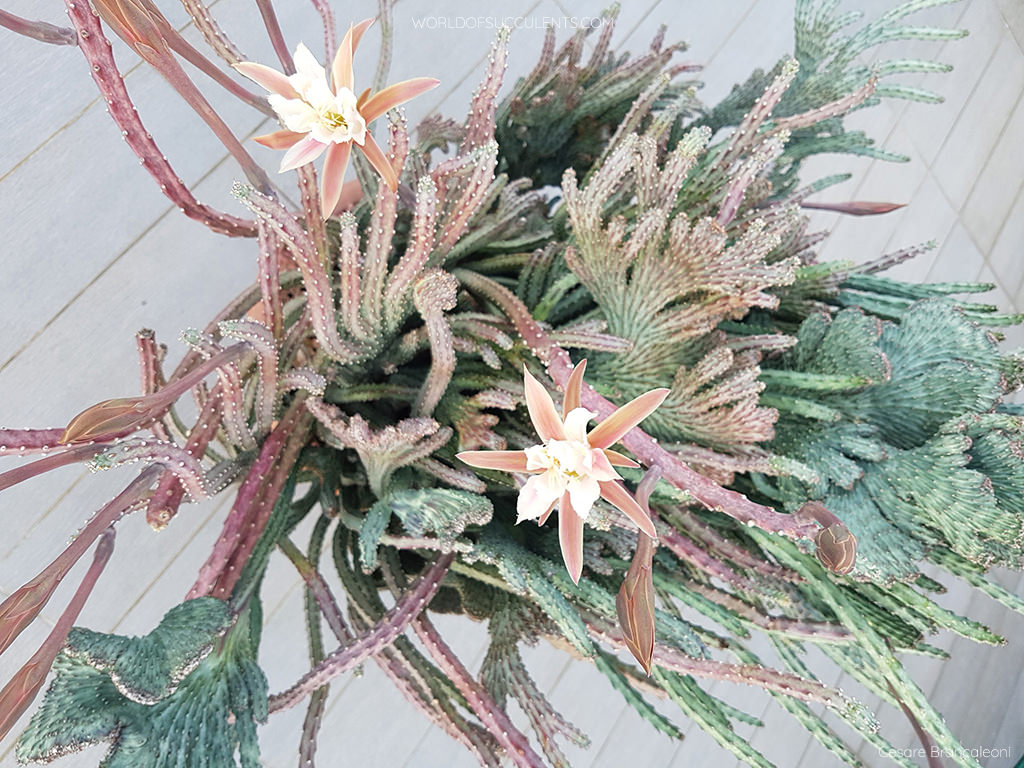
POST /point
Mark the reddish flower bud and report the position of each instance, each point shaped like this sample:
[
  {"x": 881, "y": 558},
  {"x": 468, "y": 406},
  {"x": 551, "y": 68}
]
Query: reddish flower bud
[
  {"x": 111, "y": 419},
  {"x": 635, "y": 604}
]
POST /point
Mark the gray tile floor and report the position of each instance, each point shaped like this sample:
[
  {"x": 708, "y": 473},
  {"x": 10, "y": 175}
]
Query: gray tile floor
[{"x": 92, "y": 252}]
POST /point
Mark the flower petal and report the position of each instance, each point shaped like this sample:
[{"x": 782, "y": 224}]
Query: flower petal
[
  {"x": 612, "y": 429},
  {"x": 542, "y": 409},
  {"x": 583, "y": 492},
  {"x": 613, "y": 492},
  {"x": 544, "y": 518},
  {"x": 574, "y": 388},
  {"x": 377, "y": 159},
  {"x": 307, "y": 68},
  {"x": 282, "y": 139},
  {"x": 616, "y": 459},
  {"x": 305, "y": 151},
  {"x": 333, "y": 177},
  {"x": 570, "y": 537},
  {"x": 271, "y": 79},
  {"x": 575, "y": 424},
  {"x": 396, "y": 94},
  {"x": 601, "y": 468},
  {"x": 341, "y": 70},
  {"x": 539, "y": 493},
  {"x": 506, "y": 461}
]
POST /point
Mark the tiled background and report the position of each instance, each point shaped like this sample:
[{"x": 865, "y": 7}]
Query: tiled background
[{"x": 91, "y": 252}]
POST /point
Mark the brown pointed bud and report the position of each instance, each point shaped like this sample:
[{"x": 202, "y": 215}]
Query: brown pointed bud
[
  {"x": 837, "y": 548},
  {"x": 111, "y": 419},
  {"x": 137, "y": 22},
  {"x": 21, "y": 608},
  {"x": 635, "y": 604},
  {"x": 19, "y": 693},
  {"x": 23, "y": 687},
  {"x": 121, "y": 416}
]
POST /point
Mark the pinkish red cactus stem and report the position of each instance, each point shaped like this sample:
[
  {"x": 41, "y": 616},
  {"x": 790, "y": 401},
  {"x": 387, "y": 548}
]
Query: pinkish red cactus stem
[
  {"x": 408, "y": 607},
  {"x": 810, "y": 691},
  {"x": 23, "y": 687},
  {"x": 494, "y": 718},
  {"x": 163, "y": 504},
  {"x": 23, "y": 442},
  {"x": 253, "y": 504},
  {"x": 642, "y": 445},
  {"x": 212, "y": 32},
  {"x": 275, "y": 34},
  {"x": 38, "y": 30},
  {"x": 318, "y": 587},
  {"x": 98, "y": 53},
  {"x": 60, "y": 459},
  {"x": 150, "y": 359},
  {"x": 21, "y": 608}
]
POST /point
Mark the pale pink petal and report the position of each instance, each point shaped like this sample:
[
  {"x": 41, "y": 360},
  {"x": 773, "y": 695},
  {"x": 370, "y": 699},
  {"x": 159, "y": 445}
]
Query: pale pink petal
[
  {"x": 575, "y": 424},
  {"x": 506, "y": 461},
  {"x": 271, "y": 79},
  {"x": 308, "y": 72},
  {"x": 333, "y": 177},
  {"x": 279, "y": 139},
  {"x": 341, "y": 70},
  {"x": 537, "y": 495},
  {"x": 583, "y": 492},
  {"x": 614, "y": 492},
  {"x": 359, "y": 30},
  {"x": 537, "y": 458},
  {"x": 570, "y": 537},
  {"x": 396, "y": 94},
  {"x": 612, "y": 429},
  {"x": 380, "y": 162},
  {"x": 305, "y": 151},
  {"x": 601, "y": 468},
  {"x": 544, "y": 518},
  {"x": 574, "y": 389},
  {"x": 616, "y": 459},
  {"x": 542, "y": 410}
]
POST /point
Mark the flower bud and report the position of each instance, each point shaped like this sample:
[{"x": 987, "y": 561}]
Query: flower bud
[
  {"x": 137, "y": 22},
  {"x": 837, "y": 548},
  {"x": 635, "y": 604},
  {"x": 111, "y": 419}
]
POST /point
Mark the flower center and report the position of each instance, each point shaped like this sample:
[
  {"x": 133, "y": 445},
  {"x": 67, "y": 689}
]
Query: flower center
[
  {"x": 334, "y": 120},
  {"x": 567, "y": 458}
]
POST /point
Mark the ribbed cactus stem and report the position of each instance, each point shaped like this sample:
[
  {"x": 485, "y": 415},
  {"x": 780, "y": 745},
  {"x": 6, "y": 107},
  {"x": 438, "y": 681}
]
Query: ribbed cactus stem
[
  {"x": 314, "y": 276},
  {"x": 253, "y": 504},
  {"x": 23, "y": 442},
  {"x": 163, "y": 504},
  {"x": 38, "y": 30}
]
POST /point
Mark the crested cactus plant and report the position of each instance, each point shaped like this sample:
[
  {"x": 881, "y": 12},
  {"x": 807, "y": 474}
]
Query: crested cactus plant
[{"x": 795, "y": 438}]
